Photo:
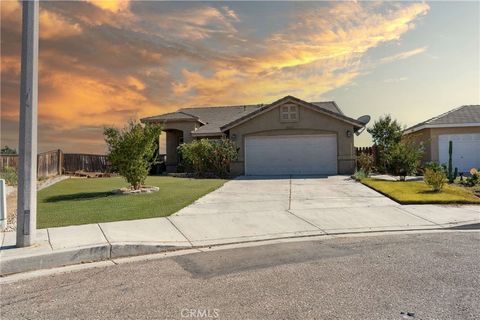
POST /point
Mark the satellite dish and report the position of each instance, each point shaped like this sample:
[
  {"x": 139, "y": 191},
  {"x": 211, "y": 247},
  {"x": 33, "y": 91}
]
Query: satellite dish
[{"x": 364, "y": 120}]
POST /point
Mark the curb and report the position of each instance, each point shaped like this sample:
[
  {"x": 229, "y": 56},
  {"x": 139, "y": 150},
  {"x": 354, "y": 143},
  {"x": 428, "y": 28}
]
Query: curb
[
  {"x": 80, "y": 255},
  {"x": 53, "y": 259},
  {"x": 109, "y": 252}
]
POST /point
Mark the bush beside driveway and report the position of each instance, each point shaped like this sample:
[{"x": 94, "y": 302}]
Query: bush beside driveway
[{"x": 82, "y": 201}]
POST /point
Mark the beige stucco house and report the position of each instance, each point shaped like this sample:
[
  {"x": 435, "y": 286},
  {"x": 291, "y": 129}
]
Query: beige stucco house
[
  {"x": 461, "y": 126},
  {"x": 288, "y": 136}
]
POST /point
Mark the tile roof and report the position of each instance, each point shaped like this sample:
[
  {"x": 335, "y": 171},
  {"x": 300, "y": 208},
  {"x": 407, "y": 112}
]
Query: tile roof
[{"x": 464, "y": 115}]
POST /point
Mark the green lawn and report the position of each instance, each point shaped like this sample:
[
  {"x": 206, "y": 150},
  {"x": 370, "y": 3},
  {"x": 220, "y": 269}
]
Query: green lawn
[
  {"x": 411, "y": 192},
  {"x": 81, "y": 201}
]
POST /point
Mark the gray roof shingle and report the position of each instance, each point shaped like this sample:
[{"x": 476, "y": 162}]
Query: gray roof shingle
[
  {"x": 329, "y": 105},
  {"x": 469, "y": 114},
  {"x": 214, "y": 118},
  {"x": 171, "y": 116}
]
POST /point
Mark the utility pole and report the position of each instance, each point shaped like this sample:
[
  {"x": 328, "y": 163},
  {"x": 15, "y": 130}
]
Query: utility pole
[{"x": 27, "y": 182}]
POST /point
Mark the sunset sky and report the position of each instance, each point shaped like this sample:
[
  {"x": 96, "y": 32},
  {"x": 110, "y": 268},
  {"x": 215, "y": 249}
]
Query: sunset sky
[{"x": 102, "y": 63}]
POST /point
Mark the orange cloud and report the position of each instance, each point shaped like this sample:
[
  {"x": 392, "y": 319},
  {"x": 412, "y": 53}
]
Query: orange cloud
[
  {"x": 135, "y": 83},
  {"x": 53, "y": 25},
  {"x": 111, "y": 5},
  {"x": 321, "y": 51},
  {"x": 10, "y": 8},
  {"x": 77, "y": 100},
  {"x": 200, "y": 23}
]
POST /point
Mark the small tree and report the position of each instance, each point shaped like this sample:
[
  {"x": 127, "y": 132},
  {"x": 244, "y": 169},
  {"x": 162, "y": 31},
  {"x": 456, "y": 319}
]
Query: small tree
[
  {"x": 131, "y": 149},
  {"x": 403, "y": 159},
  {"x": 8, "y": 150},
  {"x": 386, "y": 133}
]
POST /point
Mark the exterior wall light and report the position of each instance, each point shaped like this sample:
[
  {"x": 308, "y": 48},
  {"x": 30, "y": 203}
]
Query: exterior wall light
[{"x": 349, "y": 133}]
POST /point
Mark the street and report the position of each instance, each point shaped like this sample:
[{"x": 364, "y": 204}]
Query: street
[{"x": 428, "y": 276}]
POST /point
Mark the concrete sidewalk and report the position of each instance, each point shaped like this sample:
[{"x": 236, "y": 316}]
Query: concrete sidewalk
[
  {"x": 97, "y": 242},
  {"x": 240, "y": 211}
]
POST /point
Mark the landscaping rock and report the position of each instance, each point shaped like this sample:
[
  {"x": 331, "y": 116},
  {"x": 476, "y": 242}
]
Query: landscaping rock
[{"x": 145, "y": 189}]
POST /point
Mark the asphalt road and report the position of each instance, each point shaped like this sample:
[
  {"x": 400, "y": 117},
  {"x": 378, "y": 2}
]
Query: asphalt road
[{"x": 434, "y": 276}]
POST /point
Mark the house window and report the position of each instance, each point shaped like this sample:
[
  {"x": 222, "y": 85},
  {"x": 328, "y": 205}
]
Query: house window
[{"x": 288, "y": 113}]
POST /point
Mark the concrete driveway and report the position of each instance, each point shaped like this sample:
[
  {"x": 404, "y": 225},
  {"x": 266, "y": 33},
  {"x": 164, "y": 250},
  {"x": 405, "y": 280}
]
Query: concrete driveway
[
  {"x": 243, "y": 210},
  {"x": 254, "y": 208}
]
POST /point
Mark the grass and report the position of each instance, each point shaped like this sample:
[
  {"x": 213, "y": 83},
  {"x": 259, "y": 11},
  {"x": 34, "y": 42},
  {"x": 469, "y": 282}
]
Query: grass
[
  {"x": 411, "y": 192},
  {"x": 82, "y": 201}
]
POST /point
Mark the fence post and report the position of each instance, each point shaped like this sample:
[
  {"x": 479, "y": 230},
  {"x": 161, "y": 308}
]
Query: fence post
[
  {"x": 59, "y": 159},
  {"x": 3, "y": 205}
]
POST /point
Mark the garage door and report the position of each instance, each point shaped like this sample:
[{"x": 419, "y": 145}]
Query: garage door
[
  {"x": 466, "y": 150},
  {"x": 280, "y": 155}
]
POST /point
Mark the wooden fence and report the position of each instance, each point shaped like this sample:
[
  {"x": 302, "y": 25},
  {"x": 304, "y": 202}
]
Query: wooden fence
[
  {"x": 56, "y": 162},
  {"x": 49, "y": 163},
  {"x": 85, "y": 162},
  {"x": 373, "y": 150},
  {"x": 10, "y": 160}
]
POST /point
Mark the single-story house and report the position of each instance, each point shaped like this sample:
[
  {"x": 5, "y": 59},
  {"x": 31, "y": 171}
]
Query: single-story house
[
  {"x": 288, "y": 136},
  {"x": 461, "y": 126}
]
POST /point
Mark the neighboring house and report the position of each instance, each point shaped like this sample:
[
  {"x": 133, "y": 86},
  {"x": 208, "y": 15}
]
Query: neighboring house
[
  {"x": 461, "y": 126},
  {"x": 288, "y": 136}
]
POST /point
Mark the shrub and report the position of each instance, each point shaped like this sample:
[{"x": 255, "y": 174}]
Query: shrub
[
  {"x": 435, "y": 179},
  {"x": 359, "y": 175},
  {"x": 386, "y": 134},
  {"x": 9, "y": 174},
  {"x": 404, "y": 159},
  {"x": 208, "y": 156},
  {"x": 366, "y": 162},
  {"x": 131, "y": 149},
  {"x": 196, "y": 156},
  {"x": 224, "y": 152},
  {"x": 435, "y": 166},
  {"x": 474, "y": 178}
]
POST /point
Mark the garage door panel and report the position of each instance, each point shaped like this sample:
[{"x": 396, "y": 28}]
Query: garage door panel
[
  {"x": 276, "y": 155},
  {"x": 466, "y": 150}
]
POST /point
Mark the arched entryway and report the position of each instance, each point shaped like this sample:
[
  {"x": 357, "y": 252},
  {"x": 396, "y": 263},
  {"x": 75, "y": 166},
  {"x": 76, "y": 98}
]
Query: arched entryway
[{"x": 174, "y": 138}]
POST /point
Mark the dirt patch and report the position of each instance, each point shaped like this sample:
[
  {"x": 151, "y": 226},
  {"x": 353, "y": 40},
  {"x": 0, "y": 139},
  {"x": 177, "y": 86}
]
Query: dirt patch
[{"x": 11, "y": 211}]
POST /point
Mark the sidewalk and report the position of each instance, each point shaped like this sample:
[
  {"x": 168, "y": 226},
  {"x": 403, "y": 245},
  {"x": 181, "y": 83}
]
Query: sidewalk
[{"x": 96, "y": 242}]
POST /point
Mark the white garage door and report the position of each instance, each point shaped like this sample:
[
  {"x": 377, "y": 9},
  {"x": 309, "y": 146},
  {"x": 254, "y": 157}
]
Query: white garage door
[
  {"x": 280, "y": 155},
  {"x": 466, "y": 150}
]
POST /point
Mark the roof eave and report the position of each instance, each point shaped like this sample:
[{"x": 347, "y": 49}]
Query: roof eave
[
  {"x": 447, "y": 125},
  {"x": 206, "y": 134},
  {"x": 355, "y": 123},
  {"x": 160, "y": 120}
]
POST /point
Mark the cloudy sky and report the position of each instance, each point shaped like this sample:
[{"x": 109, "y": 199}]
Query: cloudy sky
[{"x": 104, "y": 62}]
